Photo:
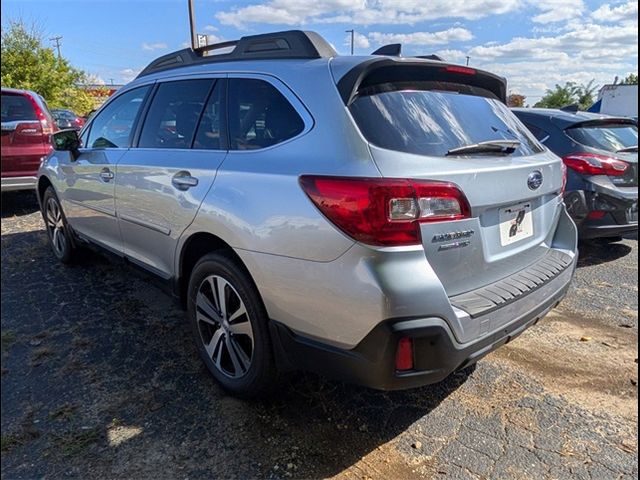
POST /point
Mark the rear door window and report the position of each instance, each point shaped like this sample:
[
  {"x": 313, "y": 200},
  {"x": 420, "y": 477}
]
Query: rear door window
[
  {"x": 431, "y": 118},
  {"x": 113, "y": 126},
  {"x": 17, "y": 108},
  {"x": 174, "y": 114},
  {"x": 259, "y": 115},
  {"x": 211, "y": 134},
  {"x": 610, "y": 137}
]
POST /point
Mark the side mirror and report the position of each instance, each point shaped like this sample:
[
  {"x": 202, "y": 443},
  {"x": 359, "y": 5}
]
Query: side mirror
[{"x": 67, "y": 141}]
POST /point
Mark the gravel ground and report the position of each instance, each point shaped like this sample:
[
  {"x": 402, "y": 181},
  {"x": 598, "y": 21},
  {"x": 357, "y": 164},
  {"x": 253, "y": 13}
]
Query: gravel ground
[{"x": 100, "y": 379}]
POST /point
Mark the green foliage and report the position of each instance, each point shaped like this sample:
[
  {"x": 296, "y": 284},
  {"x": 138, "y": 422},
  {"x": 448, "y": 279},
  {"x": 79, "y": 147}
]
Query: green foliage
[
  {"x": 27, "y": 64},
  {"x": 516, "y": 100},
  {"x": 631, "y": 79},
  {"x": 569, "y": 94}
]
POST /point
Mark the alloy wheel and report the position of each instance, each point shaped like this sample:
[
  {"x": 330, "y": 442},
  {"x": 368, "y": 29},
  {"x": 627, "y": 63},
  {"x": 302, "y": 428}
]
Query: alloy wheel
[
  {"x": 55, "y": 225},
  {"x": 224, "y": 326}
]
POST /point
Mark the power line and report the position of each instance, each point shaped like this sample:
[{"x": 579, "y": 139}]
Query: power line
[{"x": 56, "y": 40}]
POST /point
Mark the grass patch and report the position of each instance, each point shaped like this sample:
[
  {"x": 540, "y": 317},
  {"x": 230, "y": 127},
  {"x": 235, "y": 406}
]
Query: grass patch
[
  {"x": 63, "y": 412},
  {"x": 8, "y": 338},
  {"x": 39, "y": 355},
  {"x": 74, "y": 443}
]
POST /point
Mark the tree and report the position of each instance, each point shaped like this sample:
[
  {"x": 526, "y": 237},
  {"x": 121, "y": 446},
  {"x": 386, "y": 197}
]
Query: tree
[
  {"x": 631, "y": 79},
  {"x": 27, "y": 64},
  {"x": 569, "y": 94},
  {"x": 516, "y": 100}
]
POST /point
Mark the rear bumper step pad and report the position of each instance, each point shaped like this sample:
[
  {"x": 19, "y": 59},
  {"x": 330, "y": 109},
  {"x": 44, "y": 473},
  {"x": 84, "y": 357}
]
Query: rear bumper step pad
[{"x": 496, "y": 295}]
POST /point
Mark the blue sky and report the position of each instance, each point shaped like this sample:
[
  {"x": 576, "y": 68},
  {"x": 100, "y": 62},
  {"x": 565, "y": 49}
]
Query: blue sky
[{"x": 535, "y": 44}]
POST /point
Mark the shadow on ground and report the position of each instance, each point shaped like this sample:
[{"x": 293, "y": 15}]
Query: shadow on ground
[
  {"x": 596, "y": 252},
  {"x": 19, "y": 203},
  {"x": 100, "y": 378}
]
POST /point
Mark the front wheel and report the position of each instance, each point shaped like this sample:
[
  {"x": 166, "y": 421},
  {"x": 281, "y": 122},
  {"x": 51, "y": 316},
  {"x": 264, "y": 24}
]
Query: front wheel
[
  {"x": 57, "y": 227},
  {"x": 230, "y": 326}
]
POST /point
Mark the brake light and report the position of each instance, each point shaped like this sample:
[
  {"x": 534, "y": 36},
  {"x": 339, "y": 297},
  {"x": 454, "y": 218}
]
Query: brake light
[
  {"x": 594, "y": 164},
  {"x": 460, "y": 70},
  {"x": 385, "y": 211},
  {"x": 47, "y": 128},
  {"x": 404, "y": 354}
]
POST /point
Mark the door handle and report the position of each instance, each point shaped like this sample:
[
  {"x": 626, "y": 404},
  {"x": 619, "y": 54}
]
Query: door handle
[
  {"x": 106, "y": 174},
  {"x": 184, "y": 181}
]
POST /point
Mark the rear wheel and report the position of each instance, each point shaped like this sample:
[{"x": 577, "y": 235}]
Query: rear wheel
[
  {"x": 57, "y": 227},
  {"x": 230, "y": 326}
]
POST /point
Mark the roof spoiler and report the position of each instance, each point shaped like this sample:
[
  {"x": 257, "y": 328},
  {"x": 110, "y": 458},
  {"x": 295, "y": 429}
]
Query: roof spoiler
[
  {"x": 269, "y": 46},
  {"x": 395, "y": 50}
]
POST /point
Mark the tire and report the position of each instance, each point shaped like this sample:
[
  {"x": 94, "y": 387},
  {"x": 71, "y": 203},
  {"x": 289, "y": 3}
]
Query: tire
[
  {"x": 235, "y": 346},
  {"x": 58, "y": 230}
]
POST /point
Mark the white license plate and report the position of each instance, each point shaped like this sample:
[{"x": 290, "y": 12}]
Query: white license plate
[{"x": 516, "y": 223}]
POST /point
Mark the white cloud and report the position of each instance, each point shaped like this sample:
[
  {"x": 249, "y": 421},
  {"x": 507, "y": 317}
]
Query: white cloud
[
  {"x": 363, "y": 12},
  {"x": 150, "y": 47},
  {"x": 129, "y": 74},
  {"x": 359, "y": 40},
  {"x": 452, "y": 55},
  {"x": 623, "y": 12},
  {"x": 456, "y": 34},
  {"x": 210, "y": 28},
  {"x": 554, "y": 11}
]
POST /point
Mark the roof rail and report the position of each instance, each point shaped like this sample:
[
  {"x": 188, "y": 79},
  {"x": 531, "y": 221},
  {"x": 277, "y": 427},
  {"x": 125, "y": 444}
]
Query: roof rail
[{"x": 289, "y": 44}]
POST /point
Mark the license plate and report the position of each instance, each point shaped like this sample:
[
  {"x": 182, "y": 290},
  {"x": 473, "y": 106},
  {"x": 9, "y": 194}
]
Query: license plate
[
  {"x": 516, "y": 223},
  {"x": 632, "y": 214}
]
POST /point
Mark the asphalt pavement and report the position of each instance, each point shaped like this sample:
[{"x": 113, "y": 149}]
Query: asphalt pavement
[{"x": 100, "y": 380}]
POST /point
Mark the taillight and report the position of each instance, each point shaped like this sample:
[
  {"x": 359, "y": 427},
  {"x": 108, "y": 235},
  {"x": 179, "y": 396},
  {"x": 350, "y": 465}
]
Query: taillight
[
  {"x": 594, "y": 164},
  {"x": 565, "y": 175},
  {"x": 385, "y": 211}
]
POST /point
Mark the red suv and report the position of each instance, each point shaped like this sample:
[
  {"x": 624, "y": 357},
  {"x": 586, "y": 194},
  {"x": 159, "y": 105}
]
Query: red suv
[{"x": 27, "y": 126}]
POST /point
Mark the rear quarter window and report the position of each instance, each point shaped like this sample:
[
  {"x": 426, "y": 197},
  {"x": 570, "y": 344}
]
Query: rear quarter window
[{"x": 431, "y": 118}]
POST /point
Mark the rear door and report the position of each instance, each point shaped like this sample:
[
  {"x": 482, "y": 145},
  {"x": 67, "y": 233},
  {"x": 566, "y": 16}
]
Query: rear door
[
  {"x": 514, "y": 196},
  {"x": 25, "y": 135},
  {"x": 162, "y": 182},
  {"x": 88, "y": 196}
]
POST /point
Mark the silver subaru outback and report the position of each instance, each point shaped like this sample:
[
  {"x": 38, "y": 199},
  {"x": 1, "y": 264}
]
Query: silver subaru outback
[{"x": 383, "y": 220}]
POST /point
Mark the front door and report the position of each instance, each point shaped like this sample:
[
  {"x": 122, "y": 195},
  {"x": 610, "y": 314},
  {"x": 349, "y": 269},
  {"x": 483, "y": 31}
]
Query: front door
[
  {"x": 162, "y": 182},
  {"x": 88, "y": 197}
]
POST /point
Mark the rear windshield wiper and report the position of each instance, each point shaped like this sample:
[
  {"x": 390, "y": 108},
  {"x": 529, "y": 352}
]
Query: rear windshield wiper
[
  {"x": 628, "y": 149},
  {"x": 505, "y": 147}
]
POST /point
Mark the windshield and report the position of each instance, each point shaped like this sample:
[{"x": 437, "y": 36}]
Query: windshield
[
  {"x": 611, "y": 137},
  {"x": 417, "y": 119}
]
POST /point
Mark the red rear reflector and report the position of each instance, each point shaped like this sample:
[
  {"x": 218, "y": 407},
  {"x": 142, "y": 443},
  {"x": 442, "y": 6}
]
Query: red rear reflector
[
  {"x": 460, "y": 70},
  {"x": 594, "y": 164},
  {"x": 404, "y": 354},
  {"x": 385, "y": 211},
  {"x": 596, "y": 214}
]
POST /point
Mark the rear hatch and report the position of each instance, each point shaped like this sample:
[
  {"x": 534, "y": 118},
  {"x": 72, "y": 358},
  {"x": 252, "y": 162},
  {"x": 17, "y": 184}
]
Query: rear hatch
[
  {"x": 618, "y": 137},
  {"x": 415, "y": 115},
  {"x": 26, "y": 131}
]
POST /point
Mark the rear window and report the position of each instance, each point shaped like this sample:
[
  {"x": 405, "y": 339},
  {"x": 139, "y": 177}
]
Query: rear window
[
  {"x": 610, "y": 137},
  {"x": 16, "y": 108},
  {"x": 431, "y": 118}
]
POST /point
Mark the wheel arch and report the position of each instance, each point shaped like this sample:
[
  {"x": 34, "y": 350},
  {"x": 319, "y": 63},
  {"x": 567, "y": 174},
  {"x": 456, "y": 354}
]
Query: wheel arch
[
  {"x": 43, "y": 184},
  {"x": 193, "y": 248}
]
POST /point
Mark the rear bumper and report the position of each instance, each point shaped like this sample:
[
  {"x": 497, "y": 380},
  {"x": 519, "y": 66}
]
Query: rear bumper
[
  {"x": 10, "y": 184},
  {"x": 437, "y": 352},
  {"x": 620, "y": 213}
]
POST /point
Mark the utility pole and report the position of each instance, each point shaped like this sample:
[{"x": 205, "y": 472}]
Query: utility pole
[
  {"x": 56, "y": 40},
  {"x": 192, "y": 26},
  {"x": 352, "y": 32},
  {"x": 468, "y": 58}
]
